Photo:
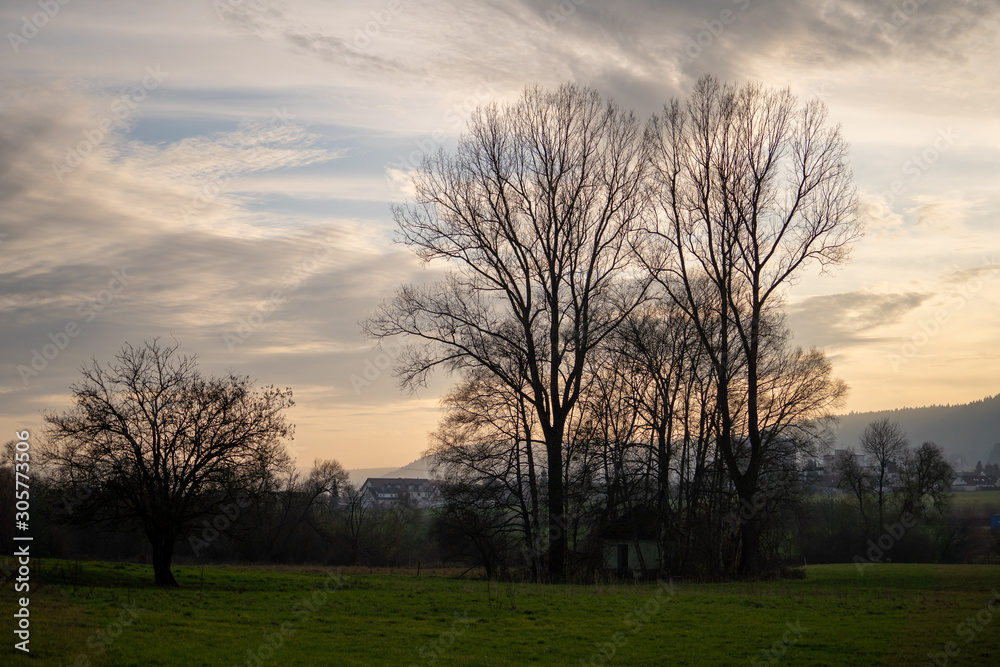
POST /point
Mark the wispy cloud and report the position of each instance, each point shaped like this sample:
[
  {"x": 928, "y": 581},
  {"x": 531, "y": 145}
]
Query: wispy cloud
[{"x": 851, "y": 318}]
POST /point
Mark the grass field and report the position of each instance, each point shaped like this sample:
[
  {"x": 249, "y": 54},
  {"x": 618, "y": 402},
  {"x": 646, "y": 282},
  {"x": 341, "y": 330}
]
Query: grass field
[
  {"x": 108, "y": 614},
  {"x": 989, "y": 500}
]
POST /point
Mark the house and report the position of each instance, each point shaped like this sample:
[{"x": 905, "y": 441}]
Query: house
[
  {"x": 416, "y": 492},
  {"x": 973, "y": 481}
]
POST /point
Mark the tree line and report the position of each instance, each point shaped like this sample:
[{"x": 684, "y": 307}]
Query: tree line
[{"x": 197, "y": 467}]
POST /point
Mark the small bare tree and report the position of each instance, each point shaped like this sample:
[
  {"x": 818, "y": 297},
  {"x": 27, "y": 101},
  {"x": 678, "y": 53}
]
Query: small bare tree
[
  {"x": 853, "y": 477},
  {"x": 485, "y": 437},
  {"x": 925, "y": 478},
  {"x": 884, "y": 444},
  {"x": 359, "y": 516},
  {"x": 152, "y": 443}
]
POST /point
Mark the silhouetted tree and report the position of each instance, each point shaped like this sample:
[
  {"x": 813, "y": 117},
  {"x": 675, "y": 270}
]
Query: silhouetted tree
[
  {"x": 359, "y": 514},
  {"x": 7, "y": 492},
  {"x": 751, "y": 188},
  {"x": 854, "y": 478},
  {"x": 925, "y": 478},
  {"x": 486, "y": 438},
  {"x": 536, "y": 213},
  {"x": 884, "y": 444},
  {"x": 152, "y": 443},
  {"x": 477, "y": 526}
]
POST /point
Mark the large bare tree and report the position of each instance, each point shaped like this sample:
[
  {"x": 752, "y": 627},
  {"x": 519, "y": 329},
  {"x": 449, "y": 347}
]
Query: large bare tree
[
  {"x": 536, "y": 214},
  {"x": 152, "y": 443},
  {"x": 752, "y": 187}
]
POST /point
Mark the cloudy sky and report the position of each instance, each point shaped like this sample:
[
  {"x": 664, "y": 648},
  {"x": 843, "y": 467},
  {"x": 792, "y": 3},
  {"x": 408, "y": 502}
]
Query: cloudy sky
[{"x": 220, "y": 173}]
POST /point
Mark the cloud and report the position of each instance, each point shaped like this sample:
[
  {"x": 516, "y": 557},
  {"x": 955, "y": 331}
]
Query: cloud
[
  {"x": 942, "y": 216},
  {"x": 257, "y": 146},
  {"x": 851, "y": 318},
  {"x": 974, "y": 277},
  {"x": 269, "y": 21},
  {"x": 109, "y": 252},
  {"x": 878, "y": 218}
]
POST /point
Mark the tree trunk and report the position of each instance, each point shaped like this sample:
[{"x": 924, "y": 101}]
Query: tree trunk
[
  {"x": 557, "y": 523},
  {"x": 557, "y": 530},
  {"x": 662, "y": 498},
  {"x": 750, "y": 542},
  {"x": 163, "y": 554},
  {"x": 749, "y": 565}
]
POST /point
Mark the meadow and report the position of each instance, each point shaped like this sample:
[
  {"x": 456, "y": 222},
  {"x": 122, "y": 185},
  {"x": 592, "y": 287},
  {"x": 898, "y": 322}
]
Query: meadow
[
  {"x": 96, "y": 613},
  {"x": 989, "y": 501}
]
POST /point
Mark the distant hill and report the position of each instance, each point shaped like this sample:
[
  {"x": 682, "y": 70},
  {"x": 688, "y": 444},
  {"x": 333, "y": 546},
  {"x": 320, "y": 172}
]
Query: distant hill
[
  {"x": 415, "y": 469},
  {"x": 359, "y": 475},
  {"x": 967, "y": 433}
]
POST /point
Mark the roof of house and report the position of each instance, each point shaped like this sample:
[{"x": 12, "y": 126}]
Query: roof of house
[
  {"x": 973, "y": 479},
  {"x": 402, "y": 483}
]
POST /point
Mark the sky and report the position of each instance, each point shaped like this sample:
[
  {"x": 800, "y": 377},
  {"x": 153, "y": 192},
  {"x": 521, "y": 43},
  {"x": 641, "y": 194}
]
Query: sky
[{"x": 220, "y": 174}]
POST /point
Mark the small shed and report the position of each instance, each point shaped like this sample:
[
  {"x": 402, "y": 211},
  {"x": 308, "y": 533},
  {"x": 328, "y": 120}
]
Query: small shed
[{"x": 639, "y": 559}]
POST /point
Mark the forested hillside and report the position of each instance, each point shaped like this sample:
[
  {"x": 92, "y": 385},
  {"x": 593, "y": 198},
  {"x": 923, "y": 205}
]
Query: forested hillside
[{"x": 969, "y": 431}]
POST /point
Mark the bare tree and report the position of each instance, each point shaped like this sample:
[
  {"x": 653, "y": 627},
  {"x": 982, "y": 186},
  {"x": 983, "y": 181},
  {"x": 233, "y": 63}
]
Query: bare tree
[
  {"x": 925, "y": 479},
  {"x": 752, "y": 187},
  {"x": 486, "y": 437},
  {"x": 298, "y": 502},
  {"x": 536, "y": 213},
  {"x": 884, "y": 444},
  {"x": 359, "y": 516},
  {"x": 159, "y": 446},
  {"x": 853, "y": 478}
]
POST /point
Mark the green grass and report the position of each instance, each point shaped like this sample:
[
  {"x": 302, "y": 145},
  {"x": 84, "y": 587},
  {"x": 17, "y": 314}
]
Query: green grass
[
  {"x": 986, "y": 499},
  {"x": 893, "y": 615}
]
